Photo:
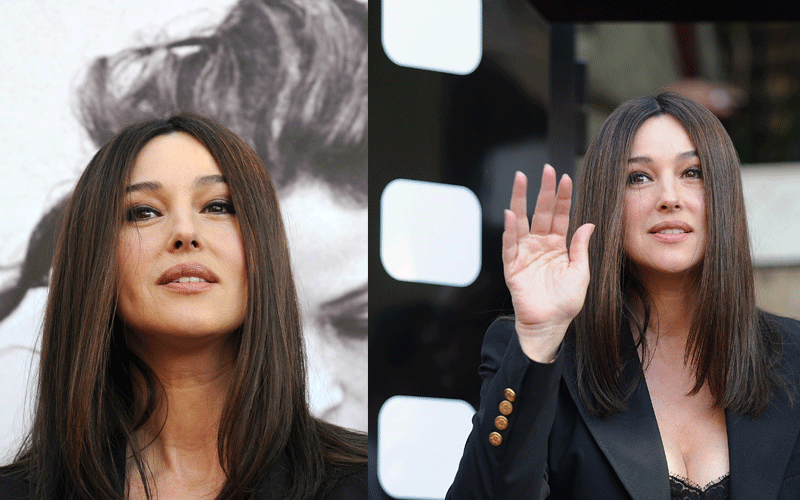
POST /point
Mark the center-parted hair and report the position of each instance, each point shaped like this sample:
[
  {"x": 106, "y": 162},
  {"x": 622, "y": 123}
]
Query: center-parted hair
[
  {"x": 732, "y": 346},
  {"x": 90, "y": 402}
]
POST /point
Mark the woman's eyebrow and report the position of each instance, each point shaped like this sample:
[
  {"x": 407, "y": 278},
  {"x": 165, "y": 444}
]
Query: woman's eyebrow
[
  {"x": 640, "y": 159},
  {"x": 209, "y": 180},
  {"x": 144, "y": 186},
  {"x": 202, "y": 181}
]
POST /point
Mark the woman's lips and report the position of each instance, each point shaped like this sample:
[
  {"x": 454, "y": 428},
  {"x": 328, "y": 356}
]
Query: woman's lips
[
  {"x": 188, "y": 287},
  {"x": 671, "y": 231},
  {"x": 188, "y": 278},
  {"x": 670, "y": 238}
]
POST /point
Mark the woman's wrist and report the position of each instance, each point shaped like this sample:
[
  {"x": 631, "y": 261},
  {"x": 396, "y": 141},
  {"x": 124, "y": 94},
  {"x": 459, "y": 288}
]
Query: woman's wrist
[{"x": 541, "y": 342}]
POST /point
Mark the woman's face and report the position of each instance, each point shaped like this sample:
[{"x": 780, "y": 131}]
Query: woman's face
[
  {"x": 665, "y": 211},
  {"x": 182, "y": 274},
  {"x": 328, "y": 242}
]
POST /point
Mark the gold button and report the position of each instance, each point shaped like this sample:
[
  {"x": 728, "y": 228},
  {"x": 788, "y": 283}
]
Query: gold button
[
  {"x": 495, "y": 438},
  {"x": 501, "y": 422},
  {"x": 506, "y": 408},
  {"x": 510, "y": 395}
]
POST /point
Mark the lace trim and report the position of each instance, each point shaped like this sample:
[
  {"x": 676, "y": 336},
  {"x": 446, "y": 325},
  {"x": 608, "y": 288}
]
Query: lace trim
[{"x": 684, "y": 488}]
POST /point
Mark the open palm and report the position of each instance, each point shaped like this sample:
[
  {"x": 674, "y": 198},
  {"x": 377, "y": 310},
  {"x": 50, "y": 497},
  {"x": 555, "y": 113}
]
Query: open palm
[{"x": 547, "y": 281}]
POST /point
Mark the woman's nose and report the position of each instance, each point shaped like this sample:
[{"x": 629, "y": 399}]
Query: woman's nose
[
  {"x": 670, "y": 198},
  {"x": 185, "y": 235}
]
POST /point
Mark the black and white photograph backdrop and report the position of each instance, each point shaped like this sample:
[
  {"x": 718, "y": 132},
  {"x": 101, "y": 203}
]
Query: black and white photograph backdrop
[{"x": 288, "y": 76}]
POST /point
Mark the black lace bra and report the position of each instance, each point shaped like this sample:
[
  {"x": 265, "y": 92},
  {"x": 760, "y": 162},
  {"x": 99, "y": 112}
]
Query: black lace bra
[{"x": 681, "y": 488}]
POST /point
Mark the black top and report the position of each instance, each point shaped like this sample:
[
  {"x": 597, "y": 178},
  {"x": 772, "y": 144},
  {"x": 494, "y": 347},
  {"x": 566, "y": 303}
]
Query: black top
[
  {"x": 681, "y": 488},
  {"x": 271, "y": 487},
  {"x": 12, "y": 489}
]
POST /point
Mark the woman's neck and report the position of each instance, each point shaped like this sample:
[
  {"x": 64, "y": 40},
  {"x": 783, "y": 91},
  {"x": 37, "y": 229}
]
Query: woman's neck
[
  {"x": 673, "y": 301},
  {"x": 179, "y": 442}
]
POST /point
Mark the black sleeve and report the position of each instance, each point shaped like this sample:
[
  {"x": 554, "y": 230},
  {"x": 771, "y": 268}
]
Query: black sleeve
[{"x": 515, "y": 465}]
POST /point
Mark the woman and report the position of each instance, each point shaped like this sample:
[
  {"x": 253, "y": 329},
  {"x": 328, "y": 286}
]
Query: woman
[
  {"x": 657, "y": 377},
  {"x": 172, "y": 358},
  {"x": 290, "y": 78}
]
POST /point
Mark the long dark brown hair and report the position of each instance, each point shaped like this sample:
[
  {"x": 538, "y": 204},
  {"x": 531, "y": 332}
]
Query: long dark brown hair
[
  {"x": 732, "y": 346},
  {"x": 89, "y": 407}
]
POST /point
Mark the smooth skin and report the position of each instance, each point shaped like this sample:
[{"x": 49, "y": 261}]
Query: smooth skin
[
  {"x": 665, "y": 187},
  {"x": 178, "y": 211}
]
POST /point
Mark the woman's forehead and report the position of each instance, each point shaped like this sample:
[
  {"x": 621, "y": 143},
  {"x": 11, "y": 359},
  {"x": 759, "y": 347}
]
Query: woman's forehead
[
  {"x": 661, "y": 135},
  {"x": 176, "y": 157}
]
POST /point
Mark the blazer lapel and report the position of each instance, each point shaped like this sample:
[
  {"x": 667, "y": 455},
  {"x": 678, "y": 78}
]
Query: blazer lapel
[
  {"x": 630, "y": 441},
  {"x": 759, "y": 449}
]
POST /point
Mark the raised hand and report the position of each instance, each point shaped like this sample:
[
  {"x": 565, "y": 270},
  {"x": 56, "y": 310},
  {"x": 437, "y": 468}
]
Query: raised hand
[{"x": 547, "y": 282}]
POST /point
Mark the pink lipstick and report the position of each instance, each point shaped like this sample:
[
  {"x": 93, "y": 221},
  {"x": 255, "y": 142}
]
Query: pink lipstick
[
  {"x": 673, "y": 231},
  {"x": 188, "y": 278}
]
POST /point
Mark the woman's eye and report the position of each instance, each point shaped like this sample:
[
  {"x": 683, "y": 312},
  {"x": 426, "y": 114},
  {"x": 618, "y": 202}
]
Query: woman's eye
[
  {"x": 637, "y": 178},
  {"x": 220, "y": 207},
  {"x": 141, "y": 212},
  {"x": 694, "y": 173}
]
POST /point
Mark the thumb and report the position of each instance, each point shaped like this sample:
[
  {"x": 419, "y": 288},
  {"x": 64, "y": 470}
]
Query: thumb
[{"x": 579, "y": 248}]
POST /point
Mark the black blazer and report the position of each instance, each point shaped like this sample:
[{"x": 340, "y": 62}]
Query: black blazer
[{"x": 554, "y": 447}]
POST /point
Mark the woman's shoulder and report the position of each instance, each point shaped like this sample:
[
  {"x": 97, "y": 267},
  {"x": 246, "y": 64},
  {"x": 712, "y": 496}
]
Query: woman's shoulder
[
  {"x": 788, "y": 333},
  {"x": 788, "y": 328},
  {"x": 13, "y": 489},
  {"x": 349, "y": 486},
  {"x": 345, "y": 459}
]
